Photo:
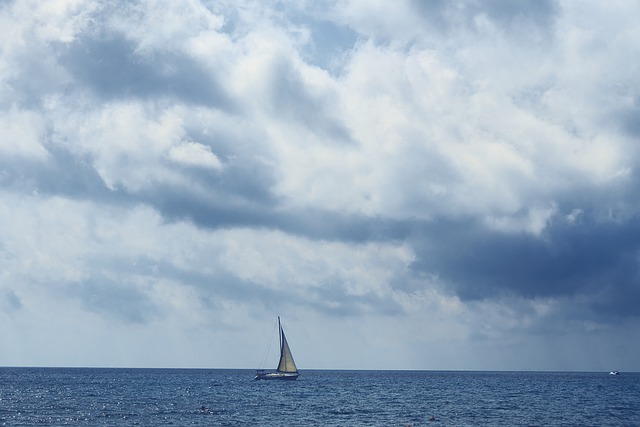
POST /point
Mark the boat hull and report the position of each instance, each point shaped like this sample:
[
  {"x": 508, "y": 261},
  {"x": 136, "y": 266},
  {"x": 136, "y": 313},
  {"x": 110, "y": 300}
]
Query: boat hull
[{"x": 283, "y": 376}]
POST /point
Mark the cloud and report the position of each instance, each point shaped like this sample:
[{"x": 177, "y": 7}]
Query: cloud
[
  {"x": 194, "y": 154},
  {"x": 451, "y": 174},
  {"x": 22, "y": 132}
]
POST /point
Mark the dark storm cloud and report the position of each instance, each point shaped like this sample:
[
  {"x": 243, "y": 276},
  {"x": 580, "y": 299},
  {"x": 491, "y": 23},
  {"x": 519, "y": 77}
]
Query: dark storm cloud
[
  {"x": 111, "y": 66},
  {"x": 595, "y": 259},
  {"x": 225, "y": 207},
  {"x": 218, "y": 210}
]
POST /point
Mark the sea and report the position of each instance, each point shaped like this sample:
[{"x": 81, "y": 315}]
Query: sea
[{"x": 221, "y": 397}]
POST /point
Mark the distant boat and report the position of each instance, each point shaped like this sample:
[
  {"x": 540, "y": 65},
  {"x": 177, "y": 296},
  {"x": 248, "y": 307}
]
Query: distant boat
[
  {"x": 614, "y": 373},
  {"x": 286, "y": 369}
]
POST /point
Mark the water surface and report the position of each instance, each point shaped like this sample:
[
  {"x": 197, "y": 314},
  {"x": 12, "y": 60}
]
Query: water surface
[{"x": 162, "y": 397}]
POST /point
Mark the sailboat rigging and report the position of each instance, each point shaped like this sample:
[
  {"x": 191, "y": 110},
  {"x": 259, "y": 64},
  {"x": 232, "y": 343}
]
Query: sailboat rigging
[{"x": 286, "y": 369}]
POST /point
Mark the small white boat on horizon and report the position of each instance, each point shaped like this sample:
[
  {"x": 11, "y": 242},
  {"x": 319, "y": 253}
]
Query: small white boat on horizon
[{"x": 614, "y": 373}]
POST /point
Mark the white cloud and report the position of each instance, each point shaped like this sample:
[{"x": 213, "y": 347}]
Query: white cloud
[
  {"x": 126, "y": 141},
  {"x": 58, "y": 20},
  {"x": 290, "y": 264},
  {"x": 534, "y": 222},
  {"x": 166, "y": 167},
  {"x": 20, "y": 135},
  {"x": 192, "y": 153}
]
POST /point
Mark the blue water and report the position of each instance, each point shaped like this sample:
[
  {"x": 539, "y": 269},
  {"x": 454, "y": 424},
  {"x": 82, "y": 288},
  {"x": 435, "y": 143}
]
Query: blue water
[{"x": 162, "y": 397}]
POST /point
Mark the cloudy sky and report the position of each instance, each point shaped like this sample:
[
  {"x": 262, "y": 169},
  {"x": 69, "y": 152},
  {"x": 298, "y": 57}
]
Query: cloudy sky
[{"x": 409, "y": 184}]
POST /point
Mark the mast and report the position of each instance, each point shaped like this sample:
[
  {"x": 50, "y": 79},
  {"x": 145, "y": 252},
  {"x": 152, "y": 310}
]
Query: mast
[{"x": 280, "y": 335}]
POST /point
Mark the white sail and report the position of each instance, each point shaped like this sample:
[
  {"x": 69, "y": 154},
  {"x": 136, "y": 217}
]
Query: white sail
[{"x": 286, "y": 359}]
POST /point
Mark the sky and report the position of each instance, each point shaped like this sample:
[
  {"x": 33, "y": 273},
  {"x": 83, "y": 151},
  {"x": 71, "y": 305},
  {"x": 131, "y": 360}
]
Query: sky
[{"x": 410, "y": 185}]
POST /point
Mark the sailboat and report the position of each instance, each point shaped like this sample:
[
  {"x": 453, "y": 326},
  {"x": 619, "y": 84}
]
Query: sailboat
[{"x": 286, "y": 369}]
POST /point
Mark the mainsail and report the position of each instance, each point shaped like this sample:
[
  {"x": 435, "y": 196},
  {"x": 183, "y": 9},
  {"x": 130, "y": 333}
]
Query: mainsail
[{"x": 286, "y": 359}]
